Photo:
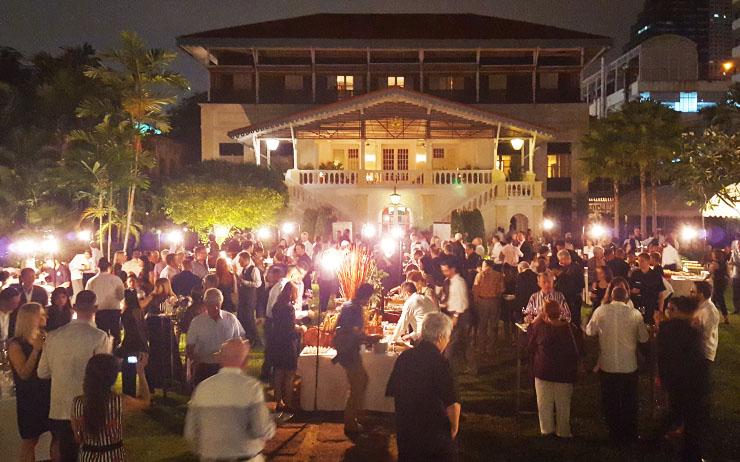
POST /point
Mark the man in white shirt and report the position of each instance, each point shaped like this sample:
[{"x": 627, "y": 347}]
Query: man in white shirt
[
  {"x": 415, "y": 308},
  {"x": 670, "y": 259},
  {"x": 227, "y": 416},
  {"x": 510, "y": 253},
  {"x": 620, "y": 329},
  {"x": 63, "y": 360},
  {"x": 159, "y": 266},
  {"x": 108, "y": 289},
  {"x": 456, "y": 304},
  {"x": 707, "y": 316},
  {"x": 207, "y": 332},
  {"x": 135, "y": 265},
  {"x": 495, "y": 249},
  {"x": 79, "y": 264},
  {"x": 172, "y": 269}
]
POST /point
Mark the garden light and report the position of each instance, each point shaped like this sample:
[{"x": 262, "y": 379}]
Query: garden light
[
  {"x": 221, "y": 232},
  {"x": 368, "y": 231},
  {"x": 288, "y": 228},
  {"x": 388, "y": 246},
  {"x": 517, "y": 143},
  {"x": 175, "y": 237},
  {"x": 548, "y": 224},
  {"x": 597, "y": 231},
  {"x": 264, "y": 233},
  {"x": 84, "y": 235},
  {"x": 272, "y": 143}
]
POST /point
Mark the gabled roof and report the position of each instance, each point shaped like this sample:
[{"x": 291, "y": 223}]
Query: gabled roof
[
  {"x": 387, "y": 27},
  {"x": 402, "y": 96}
]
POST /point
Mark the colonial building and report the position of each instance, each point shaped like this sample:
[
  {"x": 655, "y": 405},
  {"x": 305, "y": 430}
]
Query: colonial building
[{"x": 448, "y": 111}]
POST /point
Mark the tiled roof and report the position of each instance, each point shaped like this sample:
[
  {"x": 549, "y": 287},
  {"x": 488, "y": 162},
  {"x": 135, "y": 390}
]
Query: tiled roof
[{"x": 393, "y": 27}]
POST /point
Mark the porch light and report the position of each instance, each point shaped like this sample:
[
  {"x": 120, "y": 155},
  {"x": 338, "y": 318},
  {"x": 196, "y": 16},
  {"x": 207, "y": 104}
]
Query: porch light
[
  {"x": 517, "y": 143},
  {"x": 272, "y": 143},
  {"x": 395, "y": 197}
]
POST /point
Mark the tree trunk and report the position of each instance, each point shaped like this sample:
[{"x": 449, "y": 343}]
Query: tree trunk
[
  {"x": 100, "y": 220},
  {"x": 643, "y": 201},
  {"x": 616, "y": 209},
  {"x": 110, "y": 221},
  {"x": 132, "y": 192},
  {"x": 654, "y": 192}
]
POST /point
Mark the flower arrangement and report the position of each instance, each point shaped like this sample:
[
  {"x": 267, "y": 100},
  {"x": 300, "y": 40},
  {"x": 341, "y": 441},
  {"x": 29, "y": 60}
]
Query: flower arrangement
[{"x": 355, "y": 269}]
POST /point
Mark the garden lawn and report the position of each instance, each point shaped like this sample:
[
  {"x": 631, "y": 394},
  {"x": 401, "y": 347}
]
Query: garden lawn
[{"x": 491, "y": 430}]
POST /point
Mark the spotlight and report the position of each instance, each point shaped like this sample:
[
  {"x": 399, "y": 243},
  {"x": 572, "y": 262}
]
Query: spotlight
[
  {"x": 175, "y": 237},
  {"x": 331, "y": 260},
  {"x": 548, "y": 224},
  {"x": 264, "y": 233},
  {"x": 597, "y": 231},
  {"x": 368, "y": 231},
  {"x": 288, "y": 228},
  {"x": 388, "y": 246},
  {"x": 22, "y": 247},
  {"x": 689, "y": 233},
  {"x": 50, "y": 245},
  {"x": 221, "y": 232},
  {"x": 84, "y": 235}
]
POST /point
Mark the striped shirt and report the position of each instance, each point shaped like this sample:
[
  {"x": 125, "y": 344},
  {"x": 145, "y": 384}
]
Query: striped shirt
[
  {"x": 91, "y": 445},
  {"x": 537, "y": 302}
]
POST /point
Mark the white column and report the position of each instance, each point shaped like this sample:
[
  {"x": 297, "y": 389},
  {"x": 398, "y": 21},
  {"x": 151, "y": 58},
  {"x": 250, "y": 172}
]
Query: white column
[
  {"x": 532, "y": 142},
  {"x": 294, "y": 141},
  {"x": 257, "y": 154},
  {"x": 495, "y": 147},
  {"x": 362, "y": 155}
]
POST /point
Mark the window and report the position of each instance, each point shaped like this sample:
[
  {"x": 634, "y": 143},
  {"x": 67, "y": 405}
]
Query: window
[
  {"x": 558, "y": 160},
  {"x": 353, "y": 158},
  {"x": 294, "y": 82},
  {"x": 548, "y": 80},
  {"x": 403, "y": 159},
  {"x": 446, "y": 83},
  {"x": 230, "y": 149},
  {"x": 438, "y": 153},
  {"x": 687, "y": 102},
  {"x": 388, "y": 159},
  {"x": 242, "y": 81},
  {"x": 504, "y": 163},
  {"x": 396, "y": 81},
  {"x": 343, "y": 83},
  {"x": 497, "y": 82}
]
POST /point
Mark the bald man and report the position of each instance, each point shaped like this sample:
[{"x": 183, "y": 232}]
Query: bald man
[{"x": 227, "y": 416}]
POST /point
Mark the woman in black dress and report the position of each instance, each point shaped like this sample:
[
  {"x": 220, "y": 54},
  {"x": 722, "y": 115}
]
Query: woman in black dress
[
  {"x": 284, "y": 344},
  {"x": 135, "y": 341},
  {"x": 599, "y": 286},
  {"x": 59, "y": 311},
  {"x": 33, "y": 395},
  {"x": 227, "y": 285}
]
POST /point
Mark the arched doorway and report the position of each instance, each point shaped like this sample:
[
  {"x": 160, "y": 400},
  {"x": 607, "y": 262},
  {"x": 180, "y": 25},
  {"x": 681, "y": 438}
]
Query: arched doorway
[
  {"x": 519, "y": 222},
  {"x": 395, "y": 216}
]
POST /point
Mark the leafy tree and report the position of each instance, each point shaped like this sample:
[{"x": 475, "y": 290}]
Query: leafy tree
[
  {"x": 201, "y": 205},
  {"x": 144, "y": 89},
  {"x": 708, "y": 163}
]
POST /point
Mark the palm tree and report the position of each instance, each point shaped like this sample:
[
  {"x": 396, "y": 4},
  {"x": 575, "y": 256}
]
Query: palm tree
[
  {"x": 649, "y": 135},
  {"x": 144, "y": 89},
  {"x": 604, "y": 159}
]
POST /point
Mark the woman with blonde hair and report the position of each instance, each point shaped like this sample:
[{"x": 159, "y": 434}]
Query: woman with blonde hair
[
  {"x": 33, "y": 395},
  {"x": 160, "y": 299},
  {"x": 227, "y": 285}
]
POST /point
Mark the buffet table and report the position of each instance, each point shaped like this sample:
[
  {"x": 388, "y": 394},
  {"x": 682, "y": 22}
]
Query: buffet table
[
  {"x": 10, "y": 439},
  {"x": 682, "y": 285},
  {"x": 333, "y": 387}
]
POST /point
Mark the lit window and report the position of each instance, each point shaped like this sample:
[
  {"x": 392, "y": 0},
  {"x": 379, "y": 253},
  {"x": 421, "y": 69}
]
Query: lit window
[
  {"x": 687, "y": 102},
  {"x": 438, "y": 153},
  {"x": 396, "y": 81},
  {"x": 548, "y": 80},
  {"x": 294, "y": 82},
  {"x": 345, "y": 83},
  {"x": 558, "y": 166}
]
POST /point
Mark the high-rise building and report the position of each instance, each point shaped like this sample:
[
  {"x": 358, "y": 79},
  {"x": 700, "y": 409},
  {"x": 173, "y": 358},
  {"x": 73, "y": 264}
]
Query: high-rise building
[{"x": 706, "y": 22}]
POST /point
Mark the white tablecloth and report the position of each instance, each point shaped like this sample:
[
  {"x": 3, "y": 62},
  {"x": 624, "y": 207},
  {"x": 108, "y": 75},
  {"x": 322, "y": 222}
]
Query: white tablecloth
[
  {"x": 682, "y": 286},
  {"x": 10, "y": 439},
  {"x": 333, "y": 386}
]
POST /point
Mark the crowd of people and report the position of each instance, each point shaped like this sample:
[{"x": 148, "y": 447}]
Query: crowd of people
[{"x": 462, "y": 299}]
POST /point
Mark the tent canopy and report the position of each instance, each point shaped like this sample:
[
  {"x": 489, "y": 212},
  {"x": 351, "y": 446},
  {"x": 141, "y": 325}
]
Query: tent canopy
[{"x": 719, "y": 208}]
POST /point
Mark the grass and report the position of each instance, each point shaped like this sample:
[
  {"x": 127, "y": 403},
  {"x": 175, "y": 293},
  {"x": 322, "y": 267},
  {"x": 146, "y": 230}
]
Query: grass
[{"x": 491, "y": 430}]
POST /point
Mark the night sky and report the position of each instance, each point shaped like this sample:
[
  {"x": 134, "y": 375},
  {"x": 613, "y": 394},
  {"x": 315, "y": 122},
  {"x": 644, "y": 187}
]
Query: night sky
[{"x": 34, "y": 25}]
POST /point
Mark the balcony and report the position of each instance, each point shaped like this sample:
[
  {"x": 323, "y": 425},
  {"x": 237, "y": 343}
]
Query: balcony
[{"x": 485, "y": 179}]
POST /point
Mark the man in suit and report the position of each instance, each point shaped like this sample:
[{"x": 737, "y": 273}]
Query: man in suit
[
  {"x": 9, "y": 298},
  {"x": 30, "y": 292}
]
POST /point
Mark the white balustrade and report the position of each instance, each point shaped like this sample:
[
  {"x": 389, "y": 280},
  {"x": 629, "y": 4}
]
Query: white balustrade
[{"x": 519, "y": 189}]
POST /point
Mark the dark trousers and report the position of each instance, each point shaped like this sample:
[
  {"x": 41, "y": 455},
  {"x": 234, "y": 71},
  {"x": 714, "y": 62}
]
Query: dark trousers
[
  {"x": 246, "y": 313},
  {"x": 690, "y": 406},
  {"x": 736, "y": 293},
  {"x": 718, "y": 298},
  {"x": 204, "y": 370},
  {"x": 326, "y": 289},
  {"x": 62, "y": 431},
  {"x": 619, "y": 401},
  {"x": 109, "y": 321},
  {"x": 575, "y": 303},
  {"x": 128, "y": 377},
  {"x": 457, "y": 349}
]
